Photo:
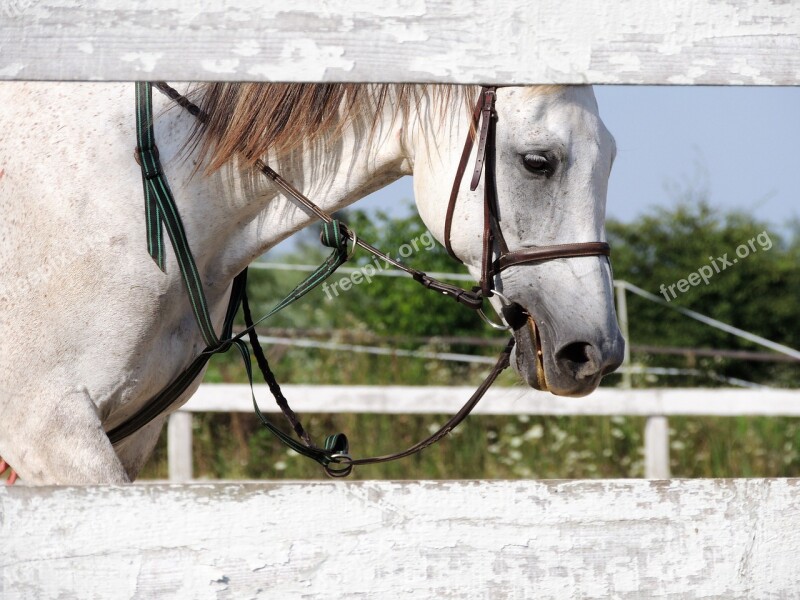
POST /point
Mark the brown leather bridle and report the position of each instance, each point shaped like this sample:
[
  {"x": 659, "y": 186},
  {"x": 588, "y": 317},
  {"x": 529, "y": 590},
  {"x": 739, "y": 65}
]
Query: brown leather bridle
[
  {"x": 484, "y": 118},
  {"x": 336, "y": 458}
]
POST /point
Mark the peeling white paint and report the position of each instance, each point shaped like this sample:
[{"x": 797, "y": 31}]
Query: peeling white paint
[
  {"x": 85, "y": 47},
  {"x": 143, "y": 61},
  {"x": 247, "y": 48},
  {"x": 9, "y": 71},
  {"x": 626, "y": 60},
  {"x": 595, "y": 41},
  {"x": 684, "y": 79},
  {"x": 626, "y": 539},
  {"x": 309, "y": 59},
  {"x": 220, "y": 65},
  {"x": 410, "y": 32}
]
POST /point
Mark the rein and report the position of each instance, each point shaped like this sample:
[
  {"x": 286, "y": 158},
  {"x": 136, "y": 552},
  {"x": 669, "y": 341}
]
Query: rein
[{"x": 162, "y": 213}]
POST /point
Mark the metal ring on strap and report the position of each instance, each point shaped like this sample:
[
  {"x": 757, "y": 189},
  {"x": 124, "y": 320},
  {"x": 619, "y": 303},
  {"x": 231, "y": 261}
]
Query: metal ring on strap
[
  {"x": 488, "y": 321},
  {"x": 340, "y": 458}
]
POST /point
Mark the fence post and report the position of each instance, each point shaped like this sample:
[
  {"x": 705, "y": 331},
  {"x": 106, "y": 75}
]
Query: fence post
[
  {"x": 179, "y": 446},
  {"x": 622, "y": 318},
  {"x": 656, "y": 447}
]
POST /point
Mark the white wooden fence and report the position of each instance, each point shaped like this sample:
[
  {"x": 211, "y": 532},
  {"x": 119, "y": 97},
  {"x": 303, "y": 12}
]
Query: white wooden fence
[
  {"x": 630, "y": 539},
  {"x": 470, "y": 41},
  {"x": 600, "y": 539},
  {"x": 654, "y": 404}
]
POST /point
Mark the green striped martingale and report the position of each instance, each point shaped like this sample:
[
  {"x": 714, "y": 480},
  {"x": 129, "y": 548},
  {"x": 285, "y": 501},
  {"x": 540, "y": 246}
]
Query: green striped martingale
[
  {"x": 162, "y": 212},
  {"x": 160, "y": 209}
]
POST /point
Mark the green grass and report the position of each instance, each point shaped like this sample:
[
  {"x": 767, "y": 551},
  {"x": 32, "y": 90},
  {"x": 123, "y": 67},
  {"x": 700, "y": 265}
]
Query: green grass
[{"x": 235, "y": 446}]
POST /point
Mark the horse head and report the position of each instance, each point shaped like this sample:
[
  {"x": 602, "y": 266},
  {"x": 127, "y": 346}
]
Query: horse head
[{"x": 549, "y": 165}]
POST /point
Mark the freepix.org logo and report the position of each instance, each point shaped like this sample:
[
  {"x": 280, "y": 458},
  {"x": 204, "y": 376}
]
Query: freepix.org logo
[
  {"x": 370, "y": 270},
  {"x": 705, "y": 273}
]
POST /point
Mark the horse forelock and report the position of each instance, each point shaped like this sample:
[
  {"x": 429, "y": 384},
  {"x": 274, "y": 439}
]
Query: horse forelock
[{"x": 250, "y": 120}]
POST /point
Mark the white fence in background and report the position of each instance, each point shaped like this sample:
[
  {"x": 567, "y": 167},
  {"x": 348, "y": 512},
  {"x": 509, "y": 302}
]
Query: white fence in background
[{"x": 654, "y": 404}]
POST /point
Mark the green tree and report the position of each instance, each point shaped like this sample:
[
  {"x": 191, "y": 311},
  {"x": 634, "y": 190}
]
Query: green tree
[{"x": 755, "y": 290}]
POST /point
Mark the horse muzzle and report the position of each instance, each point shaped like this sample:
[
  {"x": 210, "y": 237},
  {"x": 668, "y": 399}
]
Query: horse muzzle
[{"x": 569, "y": 368}]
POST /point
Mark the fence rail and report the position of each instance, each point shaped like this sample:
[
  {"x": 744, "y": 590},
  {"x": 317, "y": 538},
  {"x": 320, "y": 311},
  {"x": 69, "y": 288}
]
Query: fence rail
[
  {"x": 753, "y": 42},
  {"x": 581, "y": 539},
  {"x": 654, "y": 404}
]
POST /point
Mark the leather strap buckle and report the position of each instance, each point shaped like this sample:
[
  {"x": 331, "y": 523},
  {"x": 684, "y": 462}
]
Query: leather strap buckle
[
  {"x": 138, "y": 154},
  {"x": 487, "y": 114}
]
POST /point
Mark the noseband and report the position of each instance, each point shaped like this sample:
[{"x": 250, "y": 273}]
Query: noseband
[{"x": 484, "y": 118}]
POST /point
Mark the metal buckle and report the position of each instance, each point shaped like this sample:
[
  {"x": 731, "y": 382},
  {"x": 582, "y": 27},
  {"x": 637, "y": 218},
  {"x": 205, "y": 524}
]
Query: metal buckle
[
  {"x": 487, "y": 320},
  {"x": 489, "y": 98},
  {"x": 353, "y": 236},
  {"x": 137, "y": 156},
  {"x": 339, "y": 458}
]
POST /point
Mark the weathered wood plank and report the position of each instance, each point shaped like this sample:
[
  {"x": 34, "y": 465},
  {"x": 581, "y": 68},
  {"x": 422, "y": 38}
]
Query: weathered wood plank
[
  {"x": 500, "y": 401},
  {"x": 470, "y": 41},
  {"x": 586, "y": 539}
]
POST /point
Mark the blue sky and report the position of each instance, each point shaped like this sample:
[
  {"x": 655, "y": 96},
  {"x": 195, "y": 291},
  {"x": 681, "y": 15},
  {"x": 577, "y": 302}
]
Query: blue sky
[{"x": 742, "y": 144}]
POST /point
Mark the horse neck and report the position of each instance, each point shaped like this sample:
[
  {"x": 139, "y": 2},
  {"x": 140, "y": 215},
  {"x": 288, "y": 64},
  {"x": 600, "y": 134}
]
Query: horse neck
[{"x": 240, "y": 214}]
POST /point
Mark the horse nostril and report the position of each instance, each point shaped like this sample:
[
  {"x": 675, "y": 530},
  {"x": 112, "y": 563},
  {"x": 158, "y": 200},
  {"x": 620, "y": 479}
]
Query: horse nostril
[
  {"x": 576, "y": 352},
  {"x": 580, "y": 359}
]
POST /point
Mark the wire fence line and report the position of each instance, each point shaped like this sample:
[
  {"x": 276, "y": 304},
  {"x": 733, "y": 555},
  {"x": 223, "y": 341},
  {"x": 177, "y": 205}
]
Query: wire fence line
[
  {"x": 351, "y": 336},
  {"x": 467, "y": 358},
  {"x": 377, "y": 350},
  {"x": 486, "y": 360},
  {"x": 741, "y": 333}
]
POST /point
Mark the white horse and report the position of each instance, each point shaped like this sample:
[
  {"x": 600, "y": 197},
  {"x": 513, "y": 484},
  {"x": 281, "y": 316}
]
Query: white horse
[{"x": 91, "y": 328}]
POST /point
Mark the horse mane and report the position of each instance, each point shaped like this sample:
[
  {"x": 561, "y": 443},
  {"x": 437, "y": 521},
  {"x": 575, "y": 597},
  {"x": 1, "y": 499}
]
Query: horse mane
[{"x": 249, "y": 120}]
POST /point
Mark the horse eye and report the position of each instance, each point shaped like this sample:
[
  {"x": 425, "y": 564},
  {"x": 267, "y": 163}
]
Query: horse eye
[{"x": 539, "y": 164}]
